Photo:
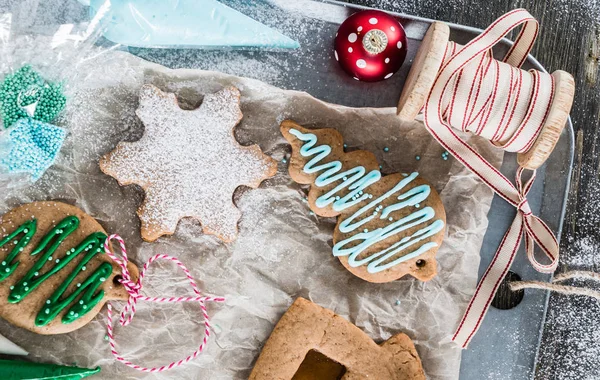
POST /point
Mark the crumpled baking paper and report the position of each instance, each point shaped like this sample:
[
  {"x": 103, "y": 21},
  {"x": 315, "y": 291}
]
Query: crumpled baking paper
[{"x": 282, "y": 251}]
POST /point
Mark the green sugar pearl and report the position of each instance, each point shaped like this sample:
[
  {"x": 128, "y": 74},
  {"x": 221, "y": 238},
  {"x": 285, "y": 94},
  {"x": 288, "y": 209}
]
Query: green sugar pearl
[{"x": 24, "y": 87}]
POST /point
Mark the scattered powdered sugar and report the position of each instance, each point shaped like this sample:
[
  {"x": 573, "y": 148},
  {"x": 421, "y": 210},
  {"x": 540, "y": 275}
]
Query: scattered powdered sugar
[
  {"x": 188, "y": 162},
  {"x": 583, "y": 253}
]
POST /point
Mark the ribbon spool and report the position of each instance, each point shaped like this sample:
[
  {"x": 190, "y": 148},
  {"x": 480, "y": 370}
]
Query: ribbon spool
[
  {"x": 465, "y": 88},
  {"x": 424, "y": 71}
]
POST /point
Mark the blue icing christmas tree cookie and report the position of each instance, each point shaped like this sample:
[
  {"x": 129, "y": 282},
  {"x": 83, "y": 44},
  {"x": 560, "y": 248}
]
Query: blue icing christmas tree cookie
[{"x": 32, "y": 147}]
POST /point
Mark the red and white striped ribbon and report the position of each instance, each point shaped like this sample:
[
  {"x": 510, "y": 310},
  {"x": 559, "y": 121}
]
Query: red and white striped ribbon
[
  {"x": 134, "y": 289},
  {"x": 496, "y": 100}
]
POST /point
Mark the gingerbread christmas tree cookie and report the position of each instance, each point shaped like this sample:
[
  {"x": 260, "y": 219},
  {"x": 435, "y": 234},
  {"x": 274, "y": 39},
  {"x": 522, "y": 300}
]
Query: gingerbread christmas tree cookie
[
  {"x": 189, "y": 163},
  {"x": 388, "y": 226},
  {"x": 54, "y": 274}
]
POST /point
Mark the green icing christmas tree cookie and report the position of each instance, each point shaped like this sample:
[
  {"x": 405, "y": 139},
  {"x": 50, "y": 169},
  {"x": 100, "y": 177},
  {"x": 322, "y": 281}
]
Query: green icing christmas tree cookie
[{"x": 54, "y": 274}]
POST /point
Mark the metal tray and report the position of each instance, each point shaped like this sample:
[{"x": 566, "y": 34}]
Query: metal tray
[{"x": 507, "y": 344}]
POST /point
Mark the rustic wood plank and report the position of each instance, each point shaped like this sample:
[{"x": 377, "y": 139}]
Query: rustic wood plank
[{"x": 569, "y": 40}]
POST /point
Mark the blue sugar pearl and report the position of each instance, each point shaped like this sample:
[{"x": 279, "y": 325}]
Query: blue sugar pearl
[
  {"x": 417, "y": 158},
  {"x": 386, "y": 149},
  {"x": 345, "y": 146},
  {"x": 34, "y": 146},
  {"x": 398, "y": 302}
]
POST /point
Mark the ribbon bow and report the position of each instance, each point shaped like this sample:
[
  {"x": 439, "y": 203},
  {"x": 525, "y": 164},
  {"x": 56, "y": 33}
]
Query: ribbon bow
[
  {"x": 449, "y": 90},
  {"x": 134, "y": 290},
  {"x": 535, "y": 230}
]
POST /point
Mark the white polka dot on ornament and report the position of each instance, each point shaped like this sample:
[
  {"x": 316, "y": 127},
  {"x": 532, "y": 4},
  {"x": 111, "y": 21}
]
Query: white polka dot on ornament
[
  {"x": 361, "y": 63},
  {"x": 372, "y": 21},
  {"x": 352, "y": 37},
  {"x": 336, "y": 55},
  {"x": 399, "y": 45},
  {"x": 350, "y": 50}
]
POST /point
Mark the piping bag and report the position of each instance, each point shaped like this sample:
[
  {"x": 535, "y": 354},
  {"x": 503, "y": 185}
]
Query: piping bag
[
  {"x": 20, "y": 370},
  {"x": 9, "y": 348},
  {"x": 183, "y": 24}
]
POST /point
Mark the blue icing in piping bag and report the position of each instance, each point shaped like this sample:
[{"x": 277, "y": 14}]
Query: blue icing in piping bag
[{"x": 184, "y": 23}]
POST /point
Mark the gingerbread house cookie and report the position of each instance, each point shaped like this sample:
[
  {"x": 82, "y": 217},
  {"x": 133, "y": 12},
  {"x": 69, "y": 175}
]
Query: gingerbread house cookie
[{"x": 311, "y": 342}]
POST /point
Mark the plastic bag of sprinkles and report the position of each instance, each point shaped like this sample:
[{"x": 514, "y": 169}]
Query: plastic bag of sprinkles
[{"x": 38, "y": 67}]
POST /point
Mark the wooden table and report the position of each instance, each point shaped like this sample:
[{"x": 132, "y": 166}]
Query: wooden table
[{"x": 569, "y": 40}]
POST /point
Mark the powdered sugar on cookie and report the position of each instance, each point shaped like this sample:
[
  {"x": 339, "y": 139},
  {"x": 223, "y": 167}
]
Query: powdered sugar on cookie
[{"x": 189, "y": 163}]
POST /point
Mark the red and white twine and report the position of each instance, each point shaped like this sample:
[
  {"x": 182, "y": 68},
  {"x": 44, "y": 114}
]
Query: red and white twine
[
  {"x": 134, "y": 289},
  {"x": 508, "y": 106}
]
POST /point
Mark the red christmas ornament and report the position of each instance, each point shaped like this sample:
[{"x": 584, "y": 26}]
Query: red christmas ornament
[{"x": 370, "y": 45}]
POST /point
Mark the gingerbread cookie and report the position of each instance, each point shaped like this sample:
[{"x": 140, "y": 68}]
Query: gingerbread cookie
[
  {"x": 189, "y": 163},
  {"x": 388, "y": 226},
  {"x": 54, "y": 275},
  {"x": 307, "y": 332}
]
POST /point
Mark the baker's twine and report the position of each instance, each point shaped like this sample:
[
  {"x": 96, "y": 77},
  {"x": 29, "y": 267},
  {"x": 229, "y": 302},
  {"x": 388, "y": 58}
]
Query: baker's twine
[
  {"x": 563, "y": 289},
  {"x": 134, "y": 289},
  {"x": 508, "y": 106}
]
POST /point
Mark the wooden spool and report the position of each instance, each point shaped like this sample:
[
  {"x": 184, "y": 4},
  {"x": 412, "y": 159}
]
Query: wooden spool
[{"x": 424, "y": 72}]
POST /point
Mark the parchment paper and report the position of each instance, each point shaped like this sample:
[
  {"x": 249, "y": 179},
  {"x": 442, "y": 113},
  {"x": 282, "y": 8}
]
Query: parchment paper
[{"x": 282, "y": 251}]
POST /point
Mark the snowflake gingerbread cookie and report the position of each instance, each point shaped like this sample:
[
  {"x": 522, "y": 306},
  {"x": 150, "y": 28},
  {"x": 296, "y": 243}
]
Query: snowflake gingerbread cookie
[{"x": 189, "y": 163}]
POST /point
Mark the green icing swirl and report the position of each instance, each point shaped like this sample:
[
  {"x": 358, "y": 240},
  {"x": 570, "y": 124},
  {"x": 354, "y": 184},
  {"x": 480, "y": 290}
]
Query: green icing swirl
[
  {"x": 9, "y": 264},
  {"x": 46, "y": 252}
]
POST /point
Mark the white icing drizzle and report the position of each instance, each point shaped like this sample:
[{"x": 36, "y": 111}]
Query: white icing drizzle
[{"x": 357, "y": 180}]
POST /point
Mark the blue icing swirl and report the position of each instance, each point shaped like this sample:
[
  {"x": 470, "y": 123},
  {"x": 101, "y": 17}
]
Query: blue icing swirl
[{"x": 357, "y": 180}]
